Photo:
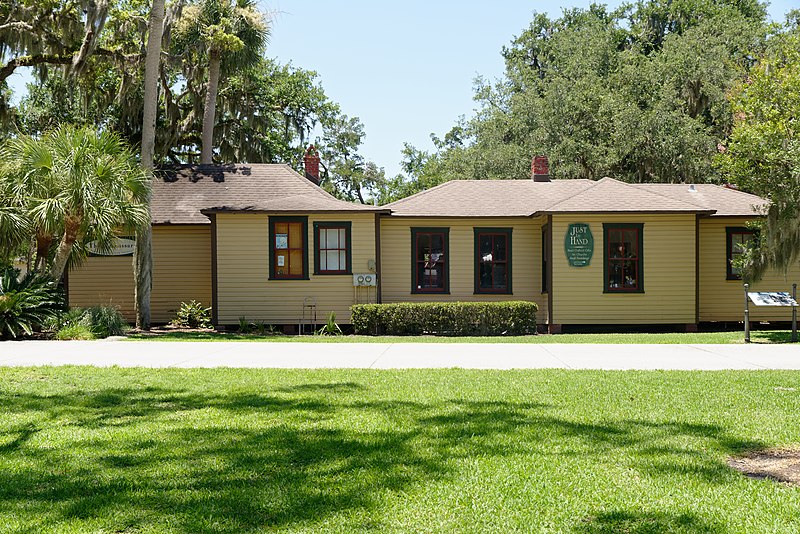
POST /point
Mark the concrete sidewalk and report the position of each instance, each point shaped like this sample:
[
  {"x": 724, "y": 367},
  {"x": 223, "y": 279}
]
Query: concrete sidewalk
[{"x": 397, "y": 355}]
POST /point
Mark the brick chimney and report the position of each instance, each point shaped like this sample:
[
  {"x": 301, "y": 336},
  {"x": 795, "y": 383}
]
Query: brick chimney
[
  {"x": 311, "y": 164},
  {"x": 540, "y": 169}
]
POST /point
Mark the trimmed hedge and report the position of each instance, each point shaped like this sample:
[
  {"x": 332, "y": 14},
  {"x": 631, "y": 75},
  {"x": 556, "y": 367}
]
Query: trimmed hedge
[{"x": 445, "y": 318}]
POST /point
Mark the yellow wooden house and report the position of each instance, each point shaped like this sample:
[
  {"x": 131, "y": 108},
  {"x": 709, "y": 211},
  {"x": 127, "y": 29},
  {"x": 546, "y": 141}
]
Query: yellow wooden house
[{"x": 264, "y": 243}]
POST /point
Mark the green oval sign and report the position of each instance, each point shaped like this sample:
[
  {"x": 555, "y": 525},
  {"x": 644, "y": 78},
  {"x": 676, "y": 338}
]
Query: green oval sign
[{"x": 579, "y": 245}]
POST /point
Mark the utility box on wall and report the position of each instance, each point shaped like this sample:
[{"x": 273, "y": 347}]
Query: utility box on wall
[{"x": 368, "y": 279}]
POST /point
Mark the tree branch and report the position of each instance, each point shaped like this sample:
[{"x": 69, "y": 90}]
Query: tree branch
[{"x": 33, "y": 60}]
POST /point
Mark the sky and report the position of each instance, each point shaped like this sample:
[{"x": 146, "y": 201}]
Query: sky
[{"x": 406, "y": 69}]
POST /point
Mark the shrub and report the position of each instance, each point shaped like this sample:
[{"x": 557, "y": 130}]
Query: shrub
[
  {"x": 330, "y": 328},
  {"x": 100, "y": 321},
  {"x": 106, "y": 321},
  {"x": 192, "y": 315},
  {"x": 27, "y": 302},
  {"x": 74, "y": 331},
  {"x": 446, "y": 318}
]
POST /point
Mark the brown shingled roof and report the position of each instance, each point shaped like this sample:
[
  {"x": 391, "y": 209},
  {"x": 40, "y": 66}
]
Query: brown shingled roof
[
  {"x": 725, "y": 201},
  {"x": 609, "y": 195},
  {"x": 184, "y": 191},
  {"x": 522, "y": 198},
  {"x": 487, "y": 198}
]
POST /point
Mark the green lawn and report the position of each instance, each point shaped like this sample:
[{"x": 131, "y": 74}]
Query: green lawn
[
  {"x": 141, "y": 450},
  {"x": 757, "y": 336}
]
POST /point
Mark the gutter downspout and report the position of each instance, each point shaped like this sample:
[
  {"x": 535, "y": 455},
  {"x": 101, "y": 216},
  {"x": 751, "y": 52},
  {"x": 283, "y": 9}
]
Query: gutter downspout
[{"x": 379, "y": 296}]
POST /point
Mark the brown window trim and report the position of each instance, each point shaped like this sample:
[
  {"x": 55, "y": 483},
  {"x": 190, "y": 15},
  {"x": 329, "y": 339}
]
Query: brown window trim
[
  {"x": 347, "y": 227},
  {"x": 303, "y": 221},
  {"x": 505, "y": 232},
  {"x": 445, "y": 233},
  {"x": 639, "y": 258},
  {"x": 730, "y": 231}
]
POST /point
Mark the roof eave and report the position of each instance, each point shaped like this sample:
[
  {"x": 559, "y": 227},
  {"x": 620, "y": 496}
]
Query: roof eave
[{"x": 211, "y": 211}]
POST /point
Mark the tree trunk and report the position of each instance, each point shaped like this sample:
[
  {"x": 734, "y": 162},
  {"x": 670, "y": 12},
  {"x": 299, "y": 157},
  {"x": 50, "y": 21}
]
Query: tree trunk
[
  {"x": 210, "y": 111},
  {"x": 143, "y": 257},
  {"x": 71, "y": 226},
  {"x": 43, "y": 243}
]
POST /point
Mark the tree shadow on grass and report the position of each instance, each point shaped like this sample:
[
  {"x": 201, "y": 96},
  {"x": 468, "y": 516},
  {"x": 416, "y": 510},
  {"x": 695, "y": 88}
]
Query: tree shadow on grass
[
  {"x": 646, "y": 523},
  {"x": 145, "y": 458}
]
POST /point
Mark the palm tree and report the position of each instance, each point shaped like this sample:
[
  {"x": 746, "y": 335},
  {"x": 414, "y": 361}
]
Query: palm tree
[
  {"x": 76, "y": 186},
  {"x": 231, "y": 34},
  {"x": 143, "y": 259}
]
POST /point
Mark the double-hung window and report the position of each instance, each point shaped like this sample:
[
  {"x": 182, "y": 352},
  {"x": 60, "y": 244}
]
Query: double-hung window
[
  {"x": 288, "y": 248},
  {"x": 429, "y": 260},
  {"x": 493, "y": 260},
  {"x": 738, "y": 238},
  {"x": 622, "y": 258},
  {"x": 332, "y": 248}
]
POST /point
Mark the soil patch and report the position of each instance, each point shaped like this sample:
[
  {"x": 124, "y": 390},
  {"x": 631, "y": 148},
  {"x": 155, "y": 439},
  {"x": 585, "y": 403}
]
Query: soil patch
[{"x": 781, "y": 465}]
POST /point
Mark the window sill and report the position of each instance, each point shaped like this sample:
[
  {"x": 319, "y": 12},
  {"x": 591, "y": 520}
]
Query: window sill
[
  {"x": 271, "y": 279},
  {"x": 492, "y": 292},
  {"x": 623, "y": 291},
  {"x": 418, "y": 292},
  {"x": 348, "y": 273}
]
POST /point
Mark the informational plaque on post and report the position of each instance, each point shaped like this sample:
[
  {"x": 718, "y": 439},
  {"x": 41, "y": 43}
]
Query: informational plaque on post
[{"x": 776, "y": 298}]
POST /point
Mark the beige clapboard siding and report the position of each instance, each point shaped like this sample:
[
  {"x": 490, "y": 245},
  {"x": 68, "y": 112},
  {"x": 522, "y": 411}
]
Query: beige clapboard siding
[
  {"x": 243, "y": 285},
  {"x": 669, "y": 274},
  {"x": 181, "y": 269},
  {"x": 526, "y": 257},
  {"x": 181, "y": 272},
  {"x": 104, "y": 281},
  {"x": 722, "y": 299}
]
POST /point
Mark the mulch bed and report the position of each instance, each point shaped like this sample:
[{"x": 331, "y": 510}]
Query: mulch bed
[{"x": 781, "y": 465}]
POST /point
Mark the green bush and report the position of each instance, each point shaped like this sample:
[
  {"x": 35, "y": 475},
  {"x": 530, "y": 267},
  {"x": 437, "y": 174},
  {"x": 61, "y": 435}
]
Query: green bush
[
  {"x": 446, "y": 318},
  {"x": 192, "y": 315},
  {"x": 106, "y": 321},
  {"x": 27, "y": 302},
  {"x": 74, "y": 331},
  {"x": 100, "y": 321}
]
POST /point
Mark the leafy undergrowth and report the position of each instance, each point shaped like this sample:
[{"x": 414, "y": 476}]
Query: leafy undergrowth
[
  {"x": 142, "y": 450},
  {"x": 725, "y": 337}
]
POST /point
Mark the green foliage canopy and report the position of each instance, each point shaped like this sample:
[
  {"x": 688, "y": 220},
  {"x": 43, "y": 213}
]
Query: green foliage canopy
[
  {"x": 638, "y": 93},
  {"x": 763, "y": 151}
]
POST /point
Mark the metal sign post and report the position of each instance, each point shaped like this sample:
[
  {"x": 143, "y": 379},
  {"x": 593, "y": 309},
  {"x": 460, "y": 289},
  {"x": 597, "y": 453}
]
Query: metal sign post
[
  {"x": 746, "y": 314},
  {"x": 770, "y": 298},
  {"x": 794, "y": 314}
]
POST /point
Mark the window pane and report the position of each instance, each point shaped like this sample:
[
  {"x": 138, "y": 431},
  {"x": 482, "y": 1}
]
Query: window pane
[
  {"x": 333, "y": 260},
  {"x": 499, "y": 276},
  {"x": 296, "y": 263},
  {"x": 485, "y": 247},
  {"x": 342, "y": 238},
  {"x": 485, "y": 275},
  {"x": 631, "y": 275},
  {"x": 281, "y": 264},
  {"x": 333, "y": 238},
  {"x": 499, "y": 247},
  {"x": 342, "y": 260},
  {"x": 437, "y": 243},
  {"x": 422, "y": 247},
  {"x": 281, "y": 228},
  {"x": 323, "y": 261},
  {"x": 295, "y": 235}
]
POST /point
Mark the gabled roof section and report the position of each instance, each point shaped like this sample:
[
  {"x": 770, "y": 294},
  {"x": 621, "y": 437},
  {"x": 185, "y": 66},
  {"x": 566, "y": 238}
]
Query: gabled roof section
[
  {"x": 487, "y": 198},
  {"x": 609, "y": 195},
  {"x": 725, "y": 201},
  {"x": 183, "y": 191}
]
